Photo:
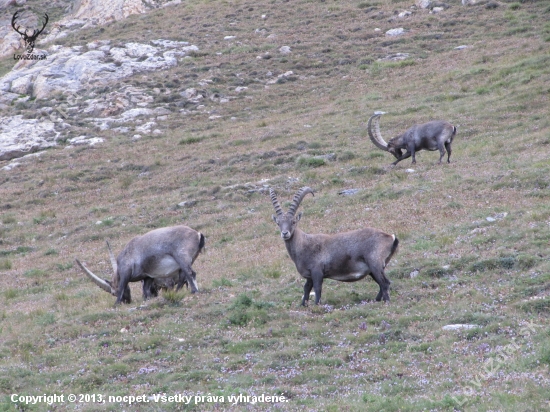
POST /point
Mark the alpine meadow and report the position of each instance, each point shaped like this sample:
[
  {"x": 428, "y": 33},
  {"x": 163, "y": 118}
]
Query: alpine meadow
[{"x": 276, "y": 94}]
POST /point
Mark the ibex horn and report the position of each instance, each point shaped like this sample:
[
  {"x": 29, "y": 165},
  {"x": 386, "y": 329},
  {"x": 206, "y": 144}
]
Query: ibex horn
[
  {"x": 102, "y": 283},
  {"x": 298, "y": 197},
  {"x": 112, "y": 257},
  {"x": 376, "y": 137},
  {"x": 275, "y": 202}
]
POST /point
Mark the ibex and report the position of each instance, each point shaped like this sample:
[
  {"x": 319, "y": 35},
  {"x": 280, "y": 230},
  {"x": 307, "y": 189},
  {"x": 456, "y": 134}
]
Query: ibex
[
  {"x": 28, "y": 39},
  {"x": 347, "y": 257},
  {"x": 434, "y": 135},
  {"x": 160, "y": 258}
]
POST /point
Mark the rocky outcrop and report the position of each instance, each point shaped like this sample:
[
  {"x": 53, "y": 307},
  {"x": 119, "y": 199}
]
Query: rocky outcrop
[
  {"x": 102, "y": 11},
  {"x": 70, "y": 69},
  {"x": 19, "y": 136}
]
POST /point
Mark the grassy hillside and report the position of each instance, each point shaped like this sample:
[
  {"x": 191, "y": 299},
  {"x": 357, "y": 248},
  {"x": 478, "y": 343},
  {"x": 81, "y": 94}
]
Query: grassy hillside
[{"x": 245, "y": 333}]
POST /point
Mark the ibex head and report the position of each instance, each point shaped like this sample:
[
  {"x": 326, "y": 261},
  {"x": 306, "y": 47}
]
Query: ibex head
[
  {"x": 376, "y": 136},
  {"x": 288, "y": 221},
  {"x": 29, "y": 39}
]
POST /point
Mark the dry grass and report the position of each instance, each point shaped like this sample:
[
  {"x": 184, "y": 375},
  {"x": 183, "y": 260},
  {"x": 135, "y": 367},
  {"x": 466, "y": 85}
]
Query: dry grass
[{"x": 244, "y": 332}]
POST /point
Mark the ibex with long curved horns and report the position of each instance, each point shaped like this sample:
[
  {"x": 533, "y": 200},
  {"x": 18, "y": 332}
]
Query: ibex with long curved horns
[
  {"x": 347, "y": 257},
  {"x": 160, "y": 258},
  {"x": 434, "y": 135}
]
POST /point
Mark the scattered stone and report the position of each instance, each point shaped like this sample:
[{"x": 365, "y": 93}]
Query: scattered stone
[
  {"x": 459, "y": 326},
  {"x": 85, "y": 140},
  {"x": 11, "y": 165},
  {"x": 462, "y": 47},
  {"x": 187, "y": 203},
  {"x": 395, "y": 57},
  {"x": 285, "y": 50},
  {"x": 414, "y": 273},
  {"x": 490, "y": 219},
  {"x": 409, "y": 171},
  {"x": 404, "y": 14},
  {"x": 348, "y": 192},
  {"x": 282, "y": 77},
  {"x": 385, "y": 325},
  {"x": 229, "y": 37},
  {"x": 363, "y": 326},
  {"x": 395, "y": 32},
  {"x": 437, "y": 9},
  {"x": 424, "y": 4},
  {"x": 241, "y": 89}
]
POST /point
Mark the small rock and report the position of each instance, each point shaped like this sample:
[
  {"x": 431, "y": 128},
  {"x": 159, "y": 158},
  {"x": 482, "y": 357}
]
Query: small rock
[
  {"x": 285, "y": 50},
  {"x": 424, "y": 4},
  {"x": 404, "y": 14},
  {"x": 241, "y": 89},
  {"x": 490, "y": 219},
  {"x": 229, "y": 37},
  {"x": 11, "y": 165},
  {"x": 385, "y": 325},
  {"x": 396, "y": 57},
  {"x": 409, "y": 171},
  {"x": 414, "y": 273},
  {"x": 187, "y": 203},
  {"x": 462, "y": 47},
  {"x": 348, "y": 192},
  {"x": 437, "y": 9},
  {"x": 459, "y": 326},
  {"x": 363, "y": 326},
  {"x": 395, "y": 32}
]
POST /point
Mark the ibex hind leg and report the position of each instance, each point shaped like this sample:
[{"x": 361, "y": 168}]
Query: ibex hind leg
[
  {"x": 379, "y": 277},
  {"x": 150, "y": 289},
  {"x": 448, "y": 147}
]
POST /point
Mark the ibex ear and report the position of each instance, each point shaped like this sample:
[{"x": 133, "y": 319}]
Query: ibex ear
[
  {"x": 298, "y": 217},
  {"x": 274, "y": 218}
]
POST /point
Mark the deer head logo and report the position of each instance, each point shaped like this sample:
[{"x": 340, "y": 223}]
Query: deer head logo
[{"x": 29, "y": 39}]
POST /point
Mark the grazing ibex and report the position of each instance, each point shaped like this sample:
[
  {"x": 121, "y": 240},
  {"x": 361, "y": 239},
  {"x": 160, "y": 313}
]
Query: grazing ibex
[
  {"x": 160, "y": 258},
  {"x": 347, "y": 257},
  {"x": 434, "y": 135}
]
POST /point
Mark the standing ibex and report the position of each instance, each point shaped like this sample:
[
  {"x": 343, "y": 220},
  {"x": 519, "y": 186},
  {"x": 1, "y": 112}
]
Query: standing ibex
[
  {"x": 346, "y": 257},
  {"x": 434, "y": 135},
  {"x": 160, "y": 258}
]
